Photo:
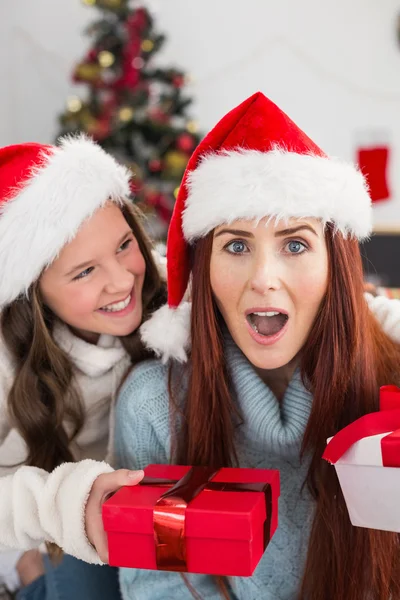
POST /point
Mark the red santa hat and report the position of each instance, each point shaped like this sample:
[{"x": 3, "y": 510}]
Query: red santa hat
[
  {"x": 46, "y": 193},
  {"x": 255, "y": 162}
]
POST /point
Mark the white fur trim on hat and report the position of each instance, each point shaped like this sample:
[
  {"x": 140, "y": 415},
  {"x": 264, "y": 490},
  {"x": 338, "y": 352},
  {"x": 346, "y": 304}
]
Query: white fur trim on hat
[
  {"x": 167, "y": 332},
  {"x": 248, "y": 184},
  {"x": 73, "y": 181}
]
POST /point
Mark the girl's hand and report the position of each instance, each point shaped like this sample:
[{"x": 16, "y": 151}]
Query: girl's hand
[{"x": 104, "y": 486}]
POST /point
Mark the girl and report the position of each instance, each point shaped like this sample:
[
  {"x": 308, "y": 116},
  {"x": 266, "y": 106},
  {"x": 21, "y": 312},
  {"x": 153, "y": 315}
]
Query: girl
[
  {"x": 284, "y": 352},
  {"x": 77, "y": 279}
]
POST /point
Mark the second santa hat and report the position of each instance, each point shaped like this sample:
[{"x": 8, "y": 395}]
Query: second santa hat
[
  {"x": 46, "y": 193},
  {"x": 256, "y": 162}
]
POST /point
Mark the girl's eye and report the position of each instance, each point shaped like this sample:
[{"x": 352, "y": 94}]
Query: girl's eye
[
  {"x": 295, "y": 247},
  {"x": 84, "y": 273},
  {"x": 236, "y": 247},
  {"x": 125, "y": 245}
]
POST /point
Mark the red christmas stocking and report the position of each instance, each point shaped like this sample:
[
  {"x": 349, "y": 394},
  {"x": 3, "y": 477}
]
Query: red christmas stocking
[{"x": 373, "y": 164}]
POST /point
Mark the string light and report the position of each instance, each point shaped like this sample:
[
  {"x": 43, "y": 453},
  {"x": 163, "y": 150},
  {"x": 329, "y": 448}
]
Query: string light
[
  {"x": 138, "y": 62},
  {"x": 147, "y": 45},
  {"x": 192, "y": 127},
  {"x": 105, "y": 58},
  {"x": 74, "y": 104},
  {"x": 126, "y": 114},
  {"x": 176, "y": 192}
]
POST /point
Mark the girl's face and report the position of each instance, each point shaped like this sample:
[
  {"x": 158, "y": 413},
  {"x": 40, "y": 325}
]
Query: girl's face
[
  {"x": 95, "y": 285},
  {"x": 269, "y": 280}
]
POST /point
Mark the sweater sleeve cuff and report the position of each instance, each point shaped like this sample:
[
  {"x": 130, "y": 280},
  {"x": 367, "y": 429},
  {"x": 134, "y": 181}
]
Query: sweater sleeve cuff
[{"x": 68, "y": 492}]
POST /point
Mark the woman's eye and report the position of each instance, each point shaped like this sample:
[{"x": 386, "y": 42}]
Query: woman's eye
[
  {"x": 125, "y": 245},
  {"x": 295, "y": 247},
  {"x": 84, "y": 273},
  {"x": 236, "y": 247}
]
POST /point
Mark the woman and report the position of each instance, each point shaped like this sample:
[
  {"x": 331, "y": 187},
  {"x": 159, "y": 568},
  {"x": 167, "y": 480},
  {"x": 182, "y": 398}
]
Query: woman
[
  {"x": 77, "y": 280},
  {"x": 284, "y": 352}
]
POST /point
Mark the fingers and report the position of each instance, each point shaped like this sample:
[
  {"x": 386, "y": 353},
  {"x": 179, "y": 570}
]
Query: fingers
[
  {"x": 105, "y": 485},
  {"x": 111, "y": 482}
]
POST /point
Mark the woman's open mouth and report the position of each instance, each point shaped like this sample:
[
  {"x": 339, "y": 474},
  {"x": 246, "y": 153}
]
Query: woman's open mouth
[{"x": 267, "y": 326}]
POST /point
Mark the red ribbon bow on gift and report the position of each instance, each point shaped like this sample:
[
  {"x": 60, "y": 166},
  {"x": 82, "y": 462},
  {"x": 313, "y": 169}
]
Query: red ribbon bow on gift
[
  {"x": 384, "y": 421},
  {"x": 169, "y": 511}
]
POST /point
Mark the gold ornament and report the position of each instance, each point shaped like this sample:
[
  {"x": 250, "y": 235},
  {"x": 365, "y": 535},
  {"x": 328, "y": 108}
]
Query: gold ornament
[
  {"x": 175, "y": 163},
  {"x": 74, "y": 104},
  {"x": 106, "y": 59},
  {"x": 88, "y": 71},
  {"x": 176, "y": 192},
  {"x": 147, "y": 45},
  {"x": 89, "y": 2},
  {"x": 192, "y": 127},
  {"x": 125, "y": 114}
]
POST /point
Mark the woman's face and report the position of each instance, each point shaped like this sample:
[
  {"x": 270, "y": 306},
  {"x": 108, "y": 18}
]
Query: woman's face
[
  {"x": 269, "y": 280},
  {"x": 95, "y": 285}
]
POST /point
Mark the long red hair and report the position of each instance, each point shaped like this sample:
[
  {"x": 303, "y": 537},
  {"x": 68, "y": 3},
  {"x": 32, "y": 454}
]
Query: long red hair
[{"x": 345, "y": 360}]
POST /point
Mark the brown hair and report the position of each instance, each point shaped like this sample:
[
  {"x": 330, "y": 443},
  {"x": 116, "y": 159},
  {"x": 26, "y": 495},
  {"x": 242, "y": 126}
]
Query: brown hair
[
  {"x": 43, "y": 398},
  {"x": 345, "y": 360}
]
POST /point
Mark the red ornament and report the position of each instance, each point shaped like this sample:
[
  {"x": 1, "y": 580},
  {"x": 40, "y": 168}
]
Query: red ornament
[
  {"x": 100, "y": 129},
  {"x": 157, "y": 115},
  {"x": 92, "y": 55},
  {"x": 373, "y": 163},
  {"x": 155, "y": 165},
  {"x": 185, "y": 142},
  {"x": 178, "y": 81},
  {"x": 160, "y": 203}
]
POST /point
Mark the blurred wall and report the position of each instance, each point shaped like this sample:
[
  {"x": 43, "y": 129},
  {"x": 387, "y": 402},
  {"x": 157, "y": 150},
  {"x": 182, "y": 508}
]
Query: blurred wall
[{"x": 334, "y": 67}]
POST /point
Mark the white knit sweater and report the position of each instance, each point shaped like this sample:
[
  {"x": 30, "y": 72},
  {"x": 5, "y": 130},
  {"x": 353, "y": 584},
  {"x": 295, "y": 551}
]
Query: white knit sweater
[{"x": 35, "y": 505}]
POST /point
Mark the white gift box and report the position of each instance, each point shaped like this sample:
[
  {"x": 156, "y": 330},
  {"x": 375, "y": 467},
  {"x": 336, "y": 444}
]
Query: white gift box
[{"x": 371, "y": 491}]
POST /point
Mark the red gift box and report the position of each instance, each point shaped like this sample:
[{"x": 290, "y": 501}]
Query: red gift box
[{"x": 193, "y": 519}]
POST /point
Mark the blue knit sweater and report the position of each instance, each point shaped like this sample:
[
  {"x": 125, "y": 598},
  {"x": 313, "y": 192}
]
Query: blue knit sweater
[{"x": 270, "y": 437}]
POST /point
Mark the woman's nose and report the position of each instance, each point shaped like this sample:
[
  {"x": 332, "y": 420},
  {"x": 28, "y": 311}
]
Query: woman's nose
[{"x": 265, "y": 275}]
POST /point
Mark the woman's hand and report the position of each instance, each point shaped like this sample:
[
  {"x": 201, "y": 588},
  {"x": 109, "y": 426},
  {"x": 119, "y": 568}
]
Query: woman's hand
[
  {"x": 104, "y": 486},
  {"x": 371, "y": 289}
]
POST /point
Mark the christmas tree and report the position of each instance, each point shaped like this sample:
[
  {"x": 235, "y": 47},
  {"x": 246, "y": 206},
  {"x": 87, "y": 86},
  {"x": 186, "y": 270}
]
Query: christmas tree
[{"x": 135, "y": 110}]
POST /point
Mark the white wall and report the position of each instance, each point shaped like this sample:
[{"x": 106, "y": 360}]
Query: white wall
[{"x": 333, "y": 67}]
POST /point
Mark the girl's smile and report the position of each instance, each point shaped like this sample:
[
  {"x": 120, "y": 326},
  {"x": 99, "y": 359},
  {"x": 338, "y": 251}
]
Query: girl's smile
[{"x": 120, "y": 308}]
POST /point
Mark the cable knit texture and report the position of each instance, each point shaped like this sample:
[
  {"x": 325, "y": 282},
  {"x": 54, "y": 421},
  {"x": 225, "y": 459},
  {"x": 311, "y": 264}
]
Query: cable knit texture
[
  {"x": 36, "y": 505},
  {"x": 270, "y": 437}
]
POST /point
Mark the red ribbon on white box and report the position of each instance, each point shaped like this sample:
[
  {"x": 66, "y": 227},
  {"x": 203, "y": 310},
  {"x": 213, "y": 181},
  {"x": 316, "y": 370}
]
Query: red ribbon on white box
[{"x": 386, "y": 420}]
